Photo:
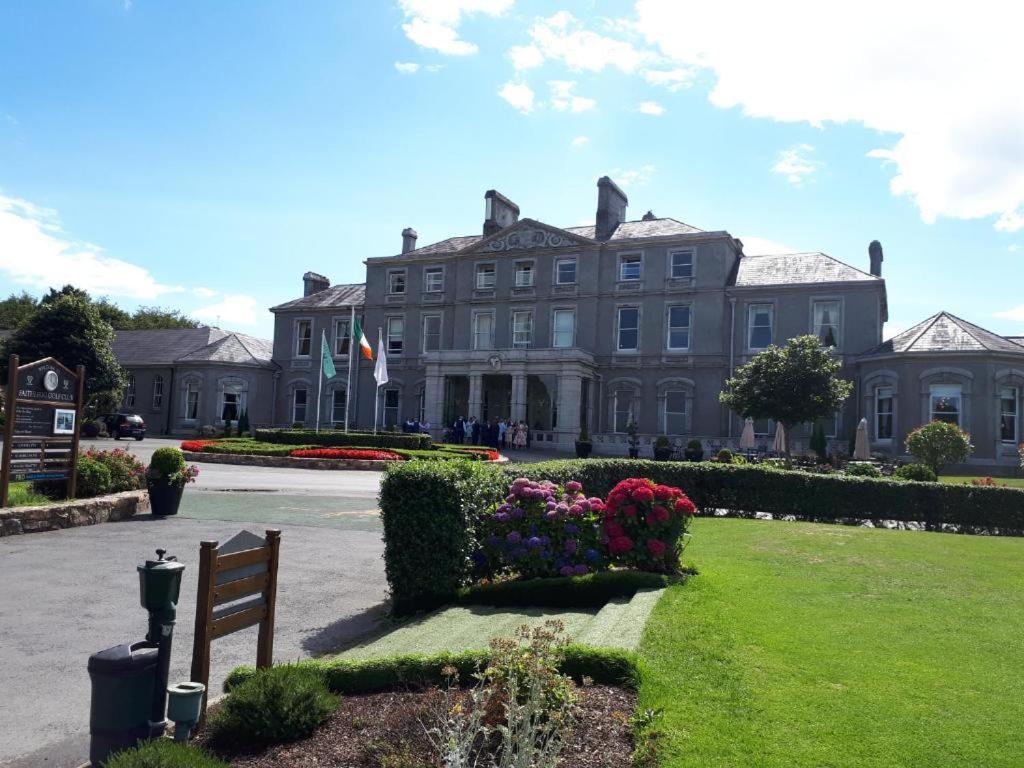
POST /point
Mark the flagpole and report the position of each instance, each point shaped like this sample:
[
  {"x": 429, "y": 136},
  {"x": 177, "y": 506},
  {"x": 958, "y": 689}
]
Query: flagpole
[
  {"x": 320, "y": 379},
  {"x": 376, "y": 391},
  {"x": 351, "y": 353}
]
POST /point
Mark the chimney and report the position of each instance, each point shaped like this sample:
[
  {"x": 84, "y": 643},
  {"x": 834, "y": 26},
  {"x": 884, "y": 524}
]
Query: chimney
[
  {"x": 875, "y": 253},
  {"x": 649, "y": 216},
  {"x": 409, "y": 239},
  {"x": 611, "y": 208},
  {"x": 500, "y": 212},
  {"x": 314, "y": 283}
]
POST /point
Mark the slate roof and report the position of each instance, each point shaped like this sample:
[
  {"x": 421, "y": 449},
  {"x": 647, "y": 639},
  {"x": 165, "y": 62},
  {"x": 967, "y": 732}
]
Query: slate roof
[
  {"x": 191, "y": 345},
  {"x": 796, "y": 269},
  {"x": 944, "y": 332},
  {"x": 1017, "y": 339},
  {"x": 344, "y": 295}
]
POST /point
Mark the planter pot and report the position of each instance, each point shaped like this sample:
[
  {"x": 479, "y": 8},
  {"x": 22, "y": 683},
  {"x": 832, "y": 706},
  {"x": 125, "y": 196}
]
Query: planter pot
[
  {"x": 583, "y": 449},
  {"x": 662, "y": 454},
  {"x": 634, "y": 453},
  {"x": 164, "y": 498},
  {"x": 694, "y": 454}
]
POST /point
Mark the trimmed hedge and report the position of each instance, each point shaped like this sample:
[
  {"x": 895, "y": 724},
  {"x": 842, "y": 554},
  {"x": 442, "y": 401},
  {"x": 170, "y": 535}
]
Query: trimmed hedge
[
  {"x": 590, "y": 591},
  {"x": 330, "y": 438},
  {"x": 605, "y": 666}
]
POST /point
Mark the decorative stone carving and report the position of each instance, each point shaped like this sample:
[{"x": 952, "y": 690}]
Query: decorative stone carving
[{"x": 529, "y": 237}]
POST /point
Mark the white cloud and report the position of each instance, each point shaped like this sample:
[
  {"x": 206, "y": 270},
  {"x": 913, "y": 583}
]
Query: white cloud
[
  {"x": 1016, "y": 313},
  {"x": 561, "y": 38},
  {"x": 760, "y": 246},
  {"x": 519, "y": 95},
  {"x": 562, "y": 97},
  {"x": 943, "y": 84},
  {"x": 233, "y": 309},
  {"x": 650, "y": 108},
  {"x": 204, "y": 293},
  {"x": 892, "y": 330},
  {"x": 794, "y": 163},
  {"x": 525, "y": 56},
  {"x": 435, "y": 24},
  {"x": 36, "y": 252},
  {"x": 1013, "y": 248},
  {"x": 579, "y": 141},
  {"x": 635, "y": 177},
  {"x": 673, "y": 79},
  {"x": 407, "y": 67}
]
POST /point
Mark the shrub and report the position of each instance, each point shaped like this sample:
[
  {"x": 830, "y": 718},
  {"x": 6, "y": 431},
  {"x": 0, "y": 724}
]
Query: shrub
[
  {"x": 168, "y": 465},
  {"x": 127, "y": 473},
  {"x": 345, "y": 453},
  {"x": 862, "y": 469},
  {"x": 724, "y": 456},
  {"x": 335, "y": 439},
  {"x": 164, "y": 753},
  {"x": 695, "y": 445},
  {"x": 917, "y": 472},
  {"x": 278, "y": 704},
  {"x": 93, "y": 477},
  {"x": 590, "y": 591},
  {"x": 939, "y": 443},
  {"x": 541, "y": 529},
  {"x": 644, "y": 524}
]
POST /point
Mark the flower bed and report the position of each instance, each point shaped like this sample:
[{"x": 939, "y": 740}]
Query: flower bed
[
  {"x": 346, "y": 453},
  {"x": 644, "y": 524},
  {"x": 249, "y": 447}
]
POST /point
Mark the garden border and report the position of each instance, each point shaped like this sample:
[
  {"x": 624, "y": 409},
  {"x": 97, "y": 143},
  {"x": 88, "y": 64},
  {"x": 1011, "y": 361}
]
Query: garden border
[
  {"x": 292, "y": 462},
  {"x": 73, "y": 513}
]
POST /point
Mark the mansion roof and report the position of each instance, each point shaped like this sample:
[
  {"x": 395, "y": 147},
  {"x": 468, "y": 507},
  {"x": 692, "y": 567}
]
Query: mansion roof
[
  {"x": 192, "y": 345},
  {"x": 944, "y": 332},
  {"x": 347, "y": 295},
  {"x": 796, "y": 269}
]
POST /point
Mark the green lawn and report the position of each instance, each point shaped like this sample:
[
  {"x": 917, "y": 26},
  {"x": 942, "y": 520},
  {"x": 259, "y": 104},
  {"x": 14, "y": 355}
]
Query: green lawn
[
  {"x": 819, "y": 645},
  {"x": 20, "y": 495},
  {"x": 1013, "y": 482}
]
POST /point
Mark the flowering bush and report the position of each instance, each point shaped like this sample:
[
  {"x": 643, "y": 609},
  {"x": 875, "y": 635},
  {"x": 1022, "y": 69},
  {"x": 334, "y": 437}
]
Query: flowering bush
[
  {"x": 127, "y": 473},
  {"x": 345, "y": 453},
  {"x": 986, "y": 482},
  {"x": 541, "y": 529},
  {"x": 167, "y": 465},
  {"x": 195, "y": 446},
  {"x": 644, "y": 524}
]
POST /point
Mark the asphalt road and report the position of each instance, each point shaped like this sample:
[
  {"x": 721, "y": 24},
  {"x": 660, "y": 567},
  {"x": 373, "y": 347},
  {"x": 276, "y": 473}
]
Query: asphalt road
[{"x": 67, "y": 594}]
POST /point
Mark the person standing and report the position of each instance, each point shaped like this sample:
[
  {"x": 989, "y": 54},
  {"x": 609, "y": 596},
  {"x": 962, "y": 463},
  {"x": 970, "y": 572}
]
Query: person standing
[
  {"x": 475, "y": 430},
  {"x": 459, "y": 431},
  {"x": 502, "y": 429}
]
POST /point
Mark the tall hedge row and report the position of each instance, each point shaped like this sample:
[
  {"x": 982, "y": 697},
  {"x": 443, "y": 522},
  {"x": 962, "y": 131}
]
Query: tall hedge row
[
  {"x": 337, "y": 439},
  {"x": 430, "y": 508}
]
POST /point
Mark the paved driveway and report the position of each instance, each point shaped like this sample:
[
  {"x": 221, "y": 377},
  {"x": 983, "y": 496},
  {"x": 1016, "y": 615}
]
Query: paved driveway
[{"x": 66, "y": 594}]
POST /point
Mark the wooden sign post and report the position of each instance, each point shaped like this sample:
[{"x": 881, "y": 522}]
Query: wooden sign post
[
  {"x": 44, "y": 409},
  {"x": 237, "y": 589}
]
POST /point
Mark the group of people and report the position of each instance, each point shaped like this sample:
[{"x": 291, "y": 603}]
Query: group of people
[
  {"x": 413, "y": 426},
  {"x": 495, "y": 433}
]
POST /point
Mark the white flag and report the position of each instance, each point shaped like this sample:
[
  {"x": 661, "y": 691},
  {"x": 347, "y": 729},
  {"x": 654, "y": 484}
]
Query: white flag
[{"x": 380, "y": 369}]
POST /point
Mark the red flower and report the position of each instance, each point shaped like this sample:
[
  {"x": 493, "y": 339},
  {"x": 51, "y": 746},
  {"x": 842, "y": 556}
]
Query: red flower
[
  {"x": 195, "y": 446},
  {"x": 344, "y": 453},
  {"x": 629, "y": 510},
  {"x": 686, "y": 506},
  {"x": 643, "y": 493},
  {"x": 656, "y": 547},
  {"x": 620, "y": 545},
  {"x": 613, "y": 529},
  {"x": 663, "y": 492},
  {"x": 660, "y": 513},
  {"x": 652, "y": 518}
]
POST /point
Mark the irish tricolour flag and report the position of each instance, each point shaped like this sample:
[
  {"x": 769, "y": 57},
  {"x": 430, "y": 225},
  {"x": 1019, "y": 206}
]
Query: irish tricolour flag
[{"x": 360, "y": 337}]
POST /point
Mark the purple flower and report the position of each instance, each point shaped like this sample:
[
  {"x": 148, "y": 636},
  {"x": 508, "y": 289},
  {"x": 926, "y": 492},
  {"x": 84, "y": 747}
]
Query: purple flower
[
  {"x": 551, "y": 504},
  {"x": 563, "y": 508},
  {"x": 570, "y": 528},
  {"x": 583, "y": 504},
  {"x": 566, "y": 570},
  {"x": 570, "y": 546},
  {"x": 493, "y": 541},
  {"x": 502, "y": 517},
  {"x": 513, "y": 537},
  {"x": 580, "y": 570},
  {"x": 510, "y": 498},
  {"x": 573, "y": 486},
  {"x": 517, "y": 513},
  {"x": 518, "y": 553},
  {"x": 592, "y": 555},
  {"x": 576, "y": 510},
  {"x": 551, "y": 515},
  {"x": 533, "y": 542}
]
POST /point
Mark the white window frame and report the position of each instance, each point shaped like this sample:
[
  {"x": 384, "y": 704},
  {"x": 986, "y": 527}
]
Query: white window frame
[
  {"x": 238, "y": 394},
  {"x": 558, "y": 270},
  {"x": 394, "y": 342},
  {"x": 191, "y": 403},
  {"x": 628, "y": 259},
  {"x": 396, "y": 282},
  {"x": 890, "y": 395},
  {"x": 619, "y": 328},
  {"x": 300, "y": 323},
  {"x": 669, "y": 327},
  {"x": 396, "y": 408},
  {"x": 296, "y": 406},
  {"x": 692, "y": 253},
  {"x": 428, "y": 273},
  {"x": 752, "y": 310},
  {"x": 129, "y": 392},
  {"x": 476, "y": 331},
  {"x": 937, "y": 390},
  {"x": 630, "y": 411},
  {"x": 836, "y": 324},
  {"x": 482, "y": 269},
  {"x": 525, "y": 274},
  {"x": 1014, "y": 414},
  {"x": 342, "y": 340},
  {"x": 334, "y": 405},
  {"x": 685, "y": 413},
  {"x": 425, "y": 335},
  {"x": 158, "y": 392},
  {"x": 555, "y": 331},
  {"x": 522, "y": 338}
]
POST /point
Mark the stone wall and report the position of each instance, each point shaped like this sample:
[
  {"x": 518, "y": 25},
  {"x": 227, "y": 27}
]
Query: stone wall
[{"x": 71, "y": 514}]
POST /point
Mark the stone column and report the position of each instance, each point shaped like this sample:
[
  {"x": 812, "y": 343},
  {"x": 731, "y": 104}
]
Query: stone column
[
  {"x": 570, "y": 387},
  {"x": 433, "y": 411},
  {"x": 476, "y": 394},
  {"x": 518, "y": 397}
]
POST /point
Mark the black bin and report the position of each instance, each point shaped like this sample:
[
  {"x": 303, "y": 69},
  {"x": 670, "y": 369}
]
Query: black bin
[{"x": 122, "y": 695}]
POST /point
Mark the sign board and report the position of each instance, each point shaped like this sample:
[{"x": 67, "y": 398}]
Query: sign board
[
  {"x": 237, "y": 589},
  {"x": 44, "y": 406}
]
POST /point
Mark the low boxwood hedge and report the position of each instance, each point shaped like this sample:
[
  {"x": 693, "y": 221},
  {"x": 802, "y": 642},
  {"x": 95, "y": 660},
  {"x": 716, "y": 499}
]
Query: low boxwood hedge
[
  {"x": 337, "y": 439},
  {"x": 605, "y": 666}
]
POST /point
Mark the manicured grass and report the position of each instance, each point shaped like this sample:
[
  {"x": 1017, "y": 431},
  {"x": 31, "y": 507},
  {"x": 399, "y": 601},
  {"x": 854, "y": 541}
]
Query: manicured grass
[
  {"x": 1012, "y": 482},
  {"x": 20, "y": 495},
  {"x": 803, "y": 644},
  {"x": 244, "y": 445}
]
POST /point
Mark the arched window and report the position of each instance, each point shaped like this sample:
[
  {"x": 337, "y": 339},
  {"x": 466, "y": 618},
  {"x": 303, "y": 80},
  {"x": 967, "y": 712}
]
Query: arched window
[
  {"x": 190, "y": 400},
  {"x": 675, "y": 398},
  {"x": 158, "y": 392}
]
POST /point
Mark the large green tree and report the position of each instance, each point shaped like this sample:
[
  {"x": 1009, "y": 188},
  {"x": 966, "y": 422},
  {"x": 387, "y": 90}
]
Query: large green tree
[
  {"x": 153, "y": 318},
  {"x": 69, "y": 327},
  {"x": 791, "y": 385},
  {"x": 14, "y": 310}
]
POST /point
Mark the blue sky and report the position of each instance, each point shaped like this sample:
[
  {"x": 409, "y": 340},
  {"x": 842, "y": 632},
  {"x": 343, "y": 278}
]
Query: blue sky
[{"x": 203, "y": 155}]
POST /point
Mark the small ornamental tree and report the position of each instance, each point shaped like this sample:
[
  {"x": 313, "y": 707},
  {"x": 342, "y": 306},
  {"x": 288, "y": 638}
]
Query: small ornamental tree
[
  {"x": 791, "y": 385},
  {"x": 938, "y": 444}
]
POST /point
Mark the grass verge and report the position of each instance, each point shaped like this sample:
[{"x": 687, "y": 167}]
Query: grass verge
[
  {"x": 20, "y": 495},
  {"x": 1012, "y": 482}
]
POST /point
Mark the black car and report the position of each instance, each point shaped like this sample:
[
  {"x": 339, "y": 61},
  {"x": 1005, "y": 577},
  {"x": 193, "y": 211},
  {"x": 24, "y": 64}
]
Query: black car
[{"x": 125, "y": 425}]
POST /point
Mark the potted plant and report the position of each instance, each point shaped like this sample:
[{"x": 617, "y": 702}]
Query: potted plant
[
  {"x": 633, "y": 440},
  {"x": 166, "y": 478},
  {"x": 694, "y": 450},
  {"x": 662, "y": 448},
  {"x": 583, "y": 445}
]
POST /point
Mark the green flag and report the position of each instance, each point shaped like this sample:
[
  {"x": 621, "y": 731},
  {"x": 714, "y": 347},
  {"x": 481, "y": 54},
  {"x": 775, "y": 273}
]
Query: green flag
[{"x": 327, "y": 362}]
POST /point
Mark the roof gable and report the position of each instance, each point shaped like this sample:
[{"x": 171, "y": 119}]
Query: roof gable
[
  {"x": 234, "y": 348},
  {"x": 944, "y": 332},
  {"x": 342, "y": 295},
  {"x": 527, "y": 234},
  {"x": 797, "y": 269}
]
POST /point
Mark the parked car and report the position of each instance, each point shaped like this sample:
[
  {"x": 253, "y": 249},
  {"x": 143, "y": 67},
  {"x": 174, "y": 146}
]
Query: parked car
[{"x": 125, "y": 425}]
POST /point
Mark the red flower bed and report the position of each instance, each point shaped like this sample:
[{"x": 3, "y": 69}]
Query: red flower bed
[
  {"x": 644, "y": 524},
  {"x": 345, "y": 453},
  {"x": 195, "y": 446}
]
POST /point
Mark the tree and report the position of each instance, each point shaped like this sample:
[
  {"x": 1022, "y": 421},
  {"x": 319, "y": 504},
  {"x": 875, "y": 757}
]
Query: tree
[
  {"x": 152, "y": 318},
  {"x": 68, "y": 327},
  {"x": 938, "y": 444},
  {"x": 791, "y": 385},
  {"x": 14, "y": 310}
]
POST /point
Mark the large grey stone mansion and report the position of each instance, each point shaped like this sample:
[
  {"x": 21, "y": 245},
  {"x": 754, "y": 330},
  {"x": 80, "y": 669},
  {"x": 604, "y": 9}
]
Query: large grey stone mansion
[{"x": 596, "y": 326}]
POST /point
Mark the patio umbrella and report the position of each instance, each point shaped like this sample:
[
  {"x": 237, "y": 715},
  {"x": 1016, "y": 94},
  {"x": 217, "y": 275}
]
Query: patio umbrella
[
  {"x": 747, "y": 437},
  {"x": 861, "y": 448},
  {"x": 779, "y": 446}
]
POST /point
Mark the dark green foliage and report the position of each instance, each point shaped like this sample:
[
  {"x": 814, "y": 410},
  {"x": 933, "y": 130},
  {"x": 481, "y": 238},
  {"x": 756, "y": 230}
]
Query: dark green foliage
[
  {"x": 862, "y": 469},
  {"x": 253, "y": 448},
  {"x": 127, "y": 473},
  {"x": 428, "y": 510},
  {"x": 724, "y": 456},
  {"x": 14, "y": 310},
  {"x": 938, "y": 444},
  {"x": 819, "y": 444},
  {"x": 917, "y": 472},
  {"x": 166, "y": 463},
  {"x": 590, "y": 591},
  {"x": 274, "y": 705},
  {"x": 605, "y": 666},
  {"x": 164, "y": 753},
  {"x": 93, "y": 478},
  {"x": 155, "y": 318},
  {"x": 336, "y": 439},
  {"x": 243, "y": 423},
  {"x": 227, "y": 427}
]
